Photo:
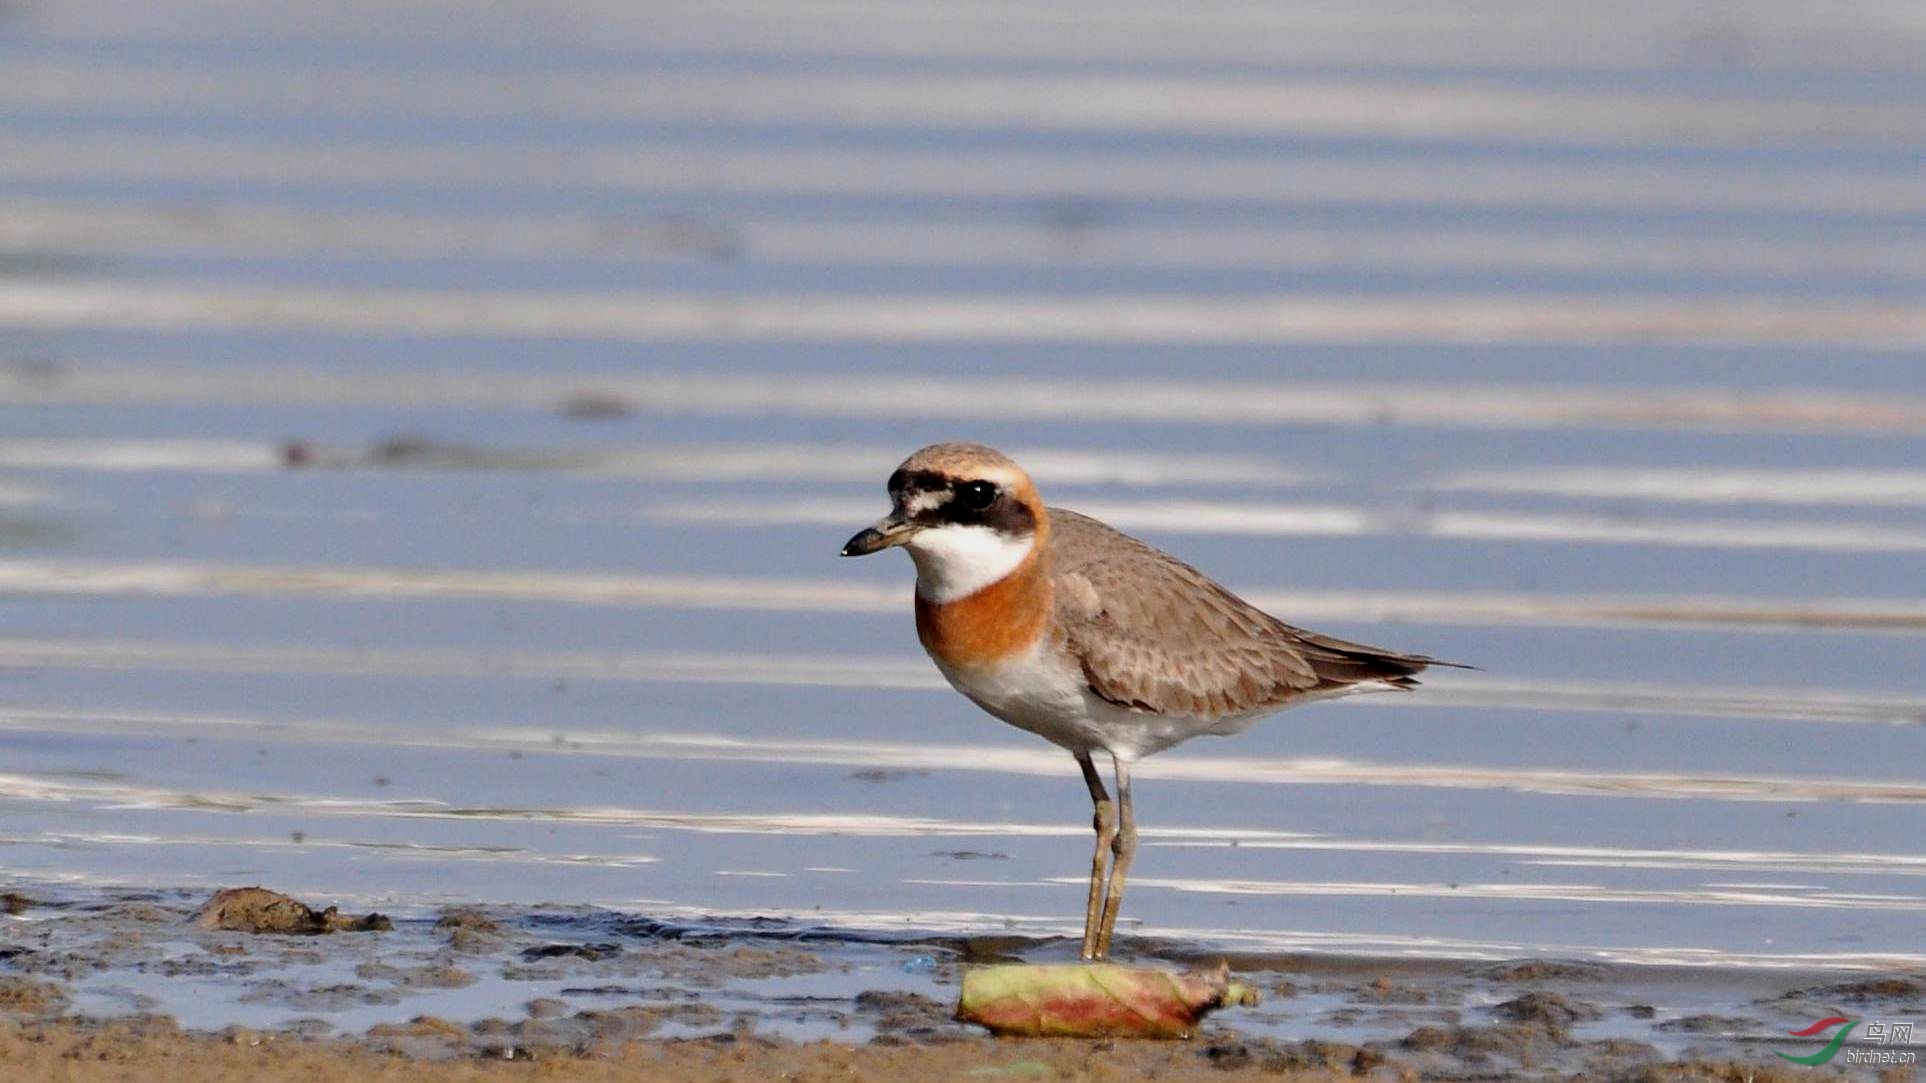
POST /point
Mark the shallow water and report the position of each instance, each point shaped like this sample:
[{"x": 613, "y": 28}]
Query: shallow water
[
  {"x": 590, "y": 339},
  {"x": 549, "y": 978}
]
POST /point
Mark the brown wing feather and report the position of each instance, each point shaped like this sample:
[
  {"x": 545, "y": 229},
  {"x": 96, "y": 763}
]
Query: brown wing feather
[{"x": 1157, "y": 635}]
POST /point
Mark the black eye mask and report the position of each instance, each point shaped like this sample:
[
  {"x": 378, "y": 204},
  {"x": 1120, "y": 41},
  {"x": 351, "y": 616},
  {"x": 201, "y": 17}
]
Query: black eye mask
[{"x": 971, "y": 502}]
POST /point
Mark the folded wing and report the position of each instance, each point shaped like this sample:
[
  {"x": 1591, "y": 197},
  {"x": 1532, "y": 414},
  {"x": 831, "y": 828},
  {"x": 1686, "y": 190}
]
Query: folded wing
[{"x": 1155, "y": 634}]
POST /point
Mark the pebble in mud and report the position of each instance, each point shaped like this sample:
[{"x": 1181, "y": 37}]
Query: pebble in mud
[
  {"x": 467, "y": 918},
  {"x": 470, "y": 931},
  {"x": 1551, "y": 1010},
  {"x": 1539, "y": 970},
  {"x": 1386, "y": 991},
  {"x": 258, "y": 910}
]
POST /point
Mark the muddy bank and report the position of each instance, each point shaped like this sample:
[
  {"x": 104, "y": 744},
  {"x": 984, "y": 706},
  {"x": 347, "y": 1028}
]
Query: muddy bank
[
  {"x": 114, "y": 980},
  {"x": 84, "y": 1052}
]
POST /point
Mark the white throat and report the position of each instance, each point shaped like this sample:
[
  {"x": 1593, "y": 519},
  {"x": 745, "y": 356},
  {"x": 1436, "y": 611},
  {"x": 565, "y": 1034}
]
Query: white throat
[{"x": 957, "y": 561}]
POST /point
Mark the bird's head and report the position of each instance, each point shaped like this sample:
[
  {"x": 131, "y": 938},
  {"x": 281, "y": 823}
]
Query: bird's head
[{"x": 967, "y": 513}]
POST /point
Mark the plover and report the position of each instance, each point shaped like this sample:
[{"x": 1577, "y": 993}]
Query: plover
[{"x": 1093, "y": 640}]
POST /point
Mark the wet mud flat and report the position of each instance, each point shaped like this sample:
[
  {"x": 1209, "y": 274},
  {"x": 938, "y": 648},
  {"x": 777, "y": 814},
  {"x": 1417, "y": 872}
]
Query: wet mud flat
[{"x": 96, "y": 986}]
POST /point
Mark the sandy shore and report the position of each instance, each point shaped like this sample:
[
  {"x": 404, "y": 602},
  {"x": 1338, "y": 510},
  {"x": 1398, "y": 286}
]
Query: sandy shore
[
  {"x": 139, "y": 1048},
  {"x": 136, "y": 986},
  {"x": 134, "y": 1049}
]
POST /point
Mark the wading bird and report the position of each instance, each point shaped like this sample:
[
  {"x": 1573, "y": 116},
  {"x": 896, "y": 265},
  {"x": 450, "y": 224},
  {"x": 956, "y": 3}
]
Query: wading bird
[{"x": 1092, "y": 640}]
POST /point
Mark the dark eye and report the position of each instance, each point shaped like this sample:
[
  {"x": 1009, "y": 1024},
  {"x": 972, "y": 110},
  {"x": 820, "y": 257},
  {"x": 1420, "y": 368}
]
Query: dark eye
[{"x": 977, "y": 495}]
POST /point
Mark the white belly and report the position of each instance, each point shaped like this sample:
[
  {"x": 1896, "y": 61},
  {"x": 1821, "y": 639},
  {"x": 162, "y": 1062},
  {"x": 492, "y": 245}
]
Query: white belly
[
  {"x": 1037, "y": 691},
  {"x": 1043, "y": 691}
]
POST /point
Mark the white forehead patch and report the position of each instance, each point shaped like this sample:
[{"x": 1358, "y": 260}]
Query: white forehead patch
[
  {"x": 923, "y": 500},
  {"x": 957, "y": 561}
]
